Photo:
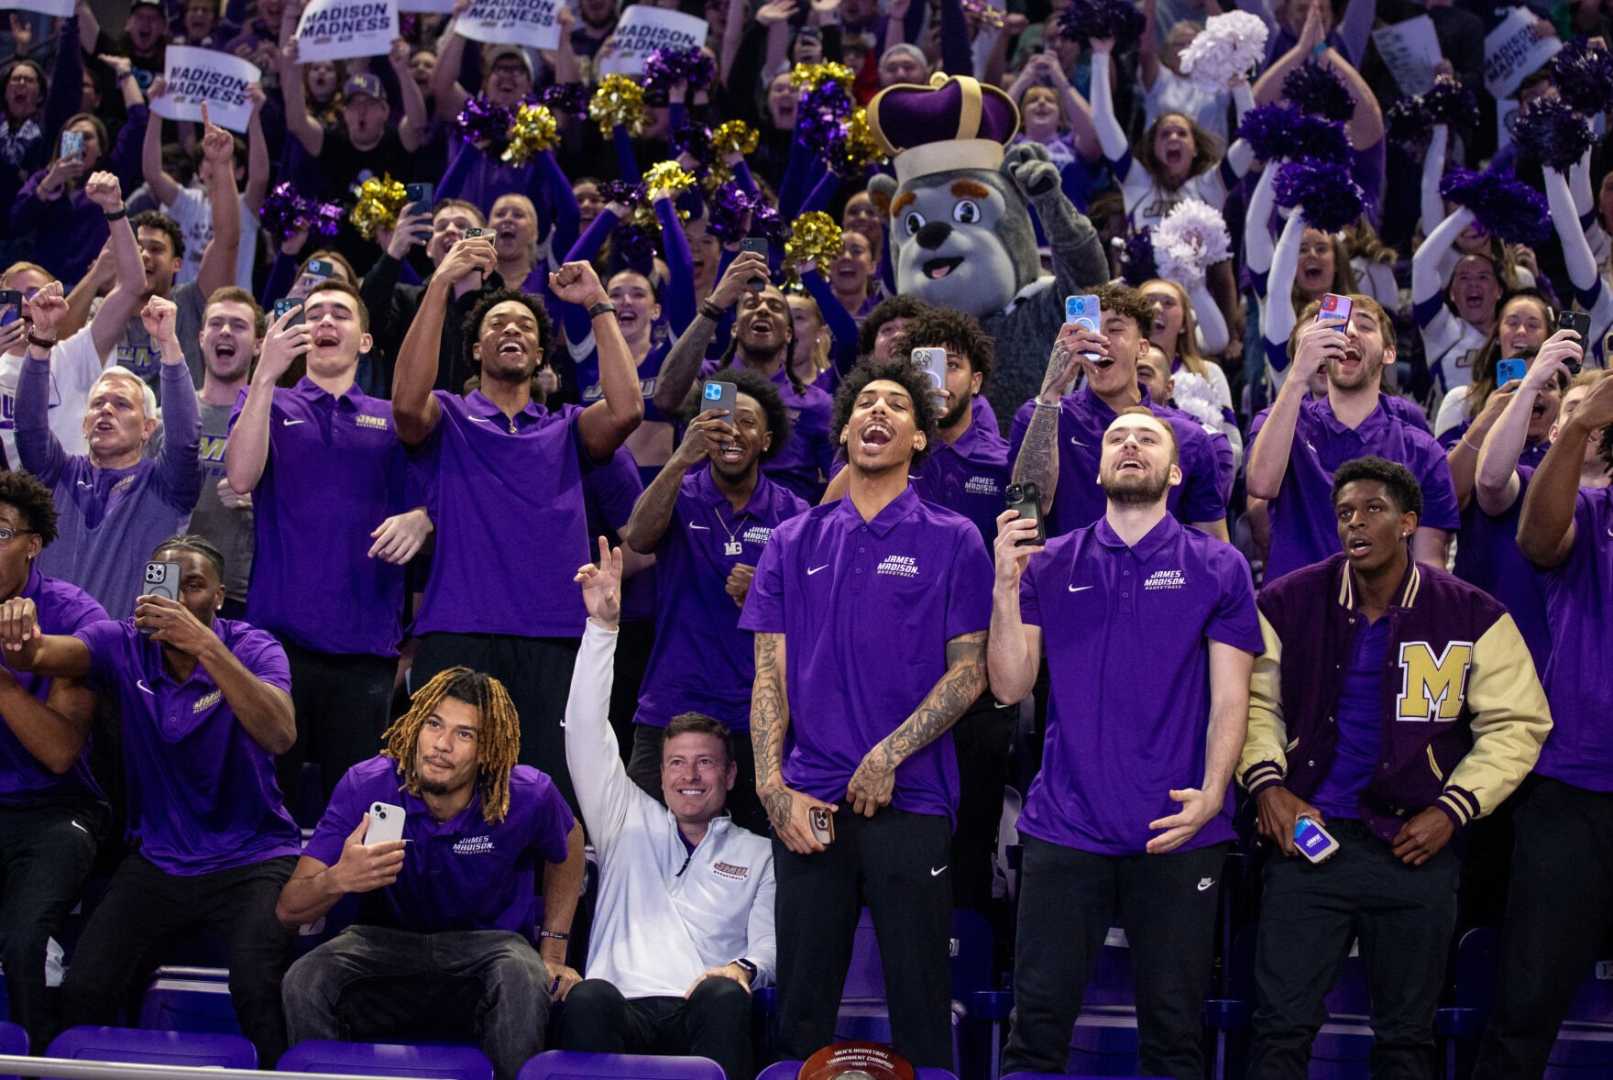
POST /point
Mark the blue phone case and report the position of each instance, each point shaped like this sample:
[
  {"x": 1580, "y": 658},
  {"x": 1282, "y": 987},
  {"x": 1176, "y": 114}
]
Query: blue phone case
[{"x": 1510, "y": 371}]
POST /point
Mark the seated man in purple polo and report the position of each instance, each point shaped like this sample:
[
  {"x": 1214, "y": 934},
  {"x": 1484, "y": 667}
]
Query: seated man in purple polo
[
  {"x": 449, "y": 914},
  {"x": 507, "y": 473},
  {"x": 870, "y": 617},
  {"x": 1303, "y": 440},
  {"x": 1395, "y": 705},
  {"x": 1129, "y": 821},
  {"x": 52, "y": 811},
  {"x": 706, "y": 518},
  {"x": 115, "y": 502},
  {"x": 205, "y": 706},
  {"x": 331, "y": 527},
  {"x": 1560, "y": 904},
  {"x": 1057, "y": 438}
]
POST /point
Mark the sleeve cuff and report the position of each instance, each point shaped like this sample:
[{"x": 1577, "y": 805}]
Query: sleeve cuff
[
  {"x": 1261, "y": 775},
  {"x": 1459, "y": 804}
]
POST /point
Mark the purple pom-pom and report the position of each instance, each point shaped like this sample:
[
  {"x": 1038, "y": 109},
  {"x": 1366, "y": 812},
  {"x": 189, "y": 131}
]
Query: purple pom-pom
[
  {"x": 664, "y": 67},
  {"x": 1084, "y": 20},
  {"x": 327, "y": 220},
  {"x": 637, "y": 247},
  {"x": 1137, "y": 258},
  {"x": 823, "y": 110},
  {"x": 1408, "y": 123},
  {"x": 282, "y": 211},
  {"x": 1551, "y": 132},
  {"x": 1315, "y": 89},
  {"x": 693, "y": 139},
  {"x": 1327, "y": 195},
  {"x": 1584, "y": 77},
  {"x": 1451, "y": 103},
  {"x": 618, "y": 191},
  {"x": 725, "y": 212},
  {"x": 1280, "y": 131},
  {"x": 766, "y": 222},
  {"x": 1502, "y": 206},
  {"x": 566, "y": 98},
  {"x": 482, "y": 121}
]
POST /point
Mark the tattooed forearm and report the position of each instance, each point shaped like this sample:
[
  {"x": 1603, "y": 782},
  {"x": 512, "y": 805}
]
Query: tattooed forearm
[
  {"x": 1038, "y": 461},
  {"x": 769, "y": 709},
  {"x": 681, "y": 368},
  {"x": 948, "y": 700}
]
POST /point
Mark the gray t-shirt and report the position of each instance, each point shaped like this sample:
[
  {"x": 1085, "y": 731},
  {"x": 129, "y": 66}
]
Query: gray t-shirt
[
  {"x": 229, "y": 530},
  {"x": 136, "y": 352}
]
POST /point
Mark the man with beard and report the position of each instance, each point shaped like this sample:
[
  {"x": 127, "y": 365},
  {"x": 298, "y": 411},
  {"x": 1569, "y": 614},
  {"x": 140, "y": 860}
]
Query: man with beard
[
  {"x": 1130, "y": 819},
  {"x": 508, "y": 473},
  {"x": 332, "y": 529},
  {"x": 870, "y": 616},
  {"x": 1304, "y": 439},
  {"x": 1059, "y": 435},
  {"x": 707, "y": 528},
  {"x": 1396, "y": 704},
  {"x": 365, "y": 143}
]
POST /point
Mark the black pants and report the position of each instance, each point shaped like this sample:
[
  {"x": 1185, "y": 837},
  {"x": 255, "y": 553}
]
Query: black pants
[
  {"x": 983, "y": 737},
  {"x": 645, "y": 769},
  {"x": 343, "y": 704},
  {"x": 713, "y": 1022},
  {"x": 1402, "y": 915},
  {"x": 45, "y": 855},
  {"x": 1068, "y": 900},
  {"x": 537, "y": 674},
  {"x": 144, "y": 909},
  {"x": 1559, "y": 911},
  {"x": 897, "y": 862}
]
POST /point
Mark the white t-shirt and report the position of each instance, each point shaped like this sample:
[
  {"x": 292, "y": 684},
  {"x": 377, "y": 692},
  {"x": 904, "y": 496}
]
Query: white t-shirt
[
  {"x": 74, "y": 367},
  {"x": 194, "y": 213}
]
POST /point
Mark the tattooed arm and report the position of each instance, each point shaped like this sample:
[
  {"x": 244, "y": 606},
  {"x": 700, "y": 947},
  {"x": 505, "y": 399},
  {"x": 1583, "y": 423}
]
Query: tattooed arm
[
  {"x": 874, "y": 781},
  {"x": 787, "y": 810},
  {"x": 1038, "y": 460},
  {"x": 681, "y": 369}
]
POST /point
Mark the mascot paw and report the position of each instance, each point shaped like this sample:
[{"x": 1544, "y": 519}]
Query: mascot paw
[{"x": 1028, "y": 165}]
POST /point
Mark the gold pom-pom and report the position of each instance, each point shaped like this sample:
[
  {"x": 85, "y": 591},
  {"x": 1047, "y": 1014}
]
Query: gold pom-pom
[
  {"x": 533, "y": 131},
  {"x": 860, "y": 150},
  {"x": 734, "y": 137},
  {"x": 670, "y": 177},
  {"x": 815, "y": 238},
  {"x": 619, "y": 100},
  {"x": 806, "y": 77},
  {"x": 378, "y": 204}
]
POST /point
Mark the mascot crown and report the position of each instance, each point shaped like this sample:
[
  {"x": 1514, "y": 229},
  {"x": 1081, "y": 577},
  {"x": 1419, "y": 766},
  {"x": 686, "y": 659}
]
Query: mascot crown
[{"x": 953, "y": 123}]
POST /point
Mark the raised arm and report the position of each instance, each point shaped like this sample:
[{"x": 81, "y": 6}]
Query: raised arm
[
  {"x": 38, "y": 449},
  {"x": 414, "y": 407},
  {"x": 110, "y": 322},
  {"x": 299, "y": 122},
  {"x": 1319, "y": 343},
  {"x": 164, "y": 187},
  {"x": 1546, "y": 532},
  {"x": 218, "y": 259},
  {"x": 1577, "y": 257},
  {"x": 1426, "y": 280},
  {"x": 1277, "y": 315},
  {"x": 1013, "y": 649},
  {"x": 1257, "y": 240},
  {"x": 179, "y": 469},
  {"x": 1111, "y": 137},
  {"x": 681, "y": 368},
  {"x": 604, "y": 425},
  {"x": 1213, "y": 336},
  {"x": 247, "y": 452},
  {"x": 652, "y": 513},
  {"x": 1432, "y": 202},
  {"x": 258, "y": 167},
  {"x": 1496, "y": 483},
  {"x": 1038, "y": 459},
  {"x": 445, "y": 89},
  {"x": 416, "y": 125},
  {"x": 604, "y": 792}
]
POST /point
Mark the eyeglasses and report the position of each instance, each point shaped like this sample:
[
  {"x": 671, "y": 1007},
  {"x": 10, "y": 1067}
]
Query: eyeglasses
[{"x": 8, "y": 535}]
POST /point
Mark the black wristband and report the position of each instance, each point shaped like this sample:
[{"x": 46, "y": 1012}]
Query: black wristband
[
  {"x": 41, "y": 343},
  {"x": 604, "y": 307},
  {"x": 711, "y": 311},
  {"x": 117, "y": 215}
]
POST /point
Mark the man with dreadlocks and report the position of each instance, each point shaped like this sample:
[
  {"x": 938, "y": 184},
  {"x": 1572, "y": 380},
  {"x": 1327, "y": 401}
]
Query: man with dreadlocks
[
  {"x": 205, "y": 706},
  {"x": 448, "y": 916}
]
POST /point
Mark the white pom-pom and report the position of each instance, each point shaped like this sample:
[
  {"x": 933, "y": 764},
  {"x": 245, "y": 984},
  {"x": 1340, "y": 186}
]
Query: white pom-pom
[
  {"x": 1193, "y": 236},
  {"x": 1229, "y": 47},
  {"x": 1192, "y": 394}
]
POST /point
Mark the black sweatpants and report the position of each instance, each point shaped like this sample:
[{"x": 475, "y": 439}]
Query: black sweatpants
[
  {"x": 1068, "y": 900},
  {"x": 713, "y": 1021},
  {"x": 1402, "y": 915},
  {"x": 983, "y": 737},
  {"x": 644, "y": 767},
  {"x": 537, "y": 674},
  {"x": 897, "y": 862},
  {"x": 1559, "y": 912},
  {"x": 343, "y": 704}
]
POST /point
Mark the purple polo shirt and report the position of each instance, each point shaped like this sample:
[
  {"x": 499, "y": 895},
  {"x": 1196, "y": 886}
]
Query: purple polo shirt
[
  {"x": 968, "y": 477},
  {"x": 802, "y": 464},
  {"x": 335, "y": 472},
  {"x": 202, "y": 792},
  {"x": 460, "y": 874},
  {"x": 512, "y": 528},
  {"x": 24, "y": 782},
  {"x": 1487, "y": 555},
  {"x": 866, "y": 609},
  {"x": 702, "y": 661},
  {"x": 609, "y": 492},
  {"x": 1579, "y": 605},
  {"x": 1304, "y": 529},
  {"x": 1126, "y": 632},
  {"x": 1079, "y": 501}
]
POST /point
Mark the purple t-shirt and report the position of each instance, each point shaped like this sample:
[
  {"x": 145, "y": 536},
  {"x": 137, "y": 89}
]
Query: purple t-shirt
[
  {"x": 202, "y": 792},
  {"x": 1579, "y": 605},
  {"x": 512, "y": 527},
  {"x": 1487, "y": 555},
  {"x": 968, "y": 477},
  {"x": 1079, "y": 501},
  {"x": 62, "y": 608},
  {"x": 866, "y": 609},
  {"x": 609, "y": 491},
  {"x": 1359, "y": 715},
  {"x": 1119, "y": 740},
  {"x": 460, "y": 874},
  {"x": 1304, "y": 529},
  {"x": 335, "y": 471},
  {"x": 702, "y": 661}
]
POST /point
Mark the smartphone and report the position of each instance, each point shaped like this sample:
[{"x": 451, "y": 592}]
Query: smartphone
[
  {"x": 719, "y": 395},
  {"x": 1027, "y": 499},
  {"x": 471, "y": 233},
  {"x": 759, "y": 246},
  {"x": 10, "y": 306},
  {"x": 320, "y": 268},
  {"x": 161, "y": 579},
  {"x": 285, "y": 304},
  {"x": 1510, "y": 371},
  {"x": 1580, "y": 323},
  {"x": 933, "y": 362},
  {"x": 72, "y": 144},
  {"x": 823, "y": 825},
  {"x": 386, "y": 824},
  {"x": 1083, "y": 311},
  {"x": 1335, "y": 308},
  {"x": 1313, "y": 841},
  {"x": 417, "y": 197}
]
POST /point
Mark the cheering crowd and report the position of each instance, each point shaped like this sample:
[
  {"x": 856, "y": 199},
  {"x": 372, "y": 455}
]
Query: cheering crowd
[{"x": 740, "y": 473}]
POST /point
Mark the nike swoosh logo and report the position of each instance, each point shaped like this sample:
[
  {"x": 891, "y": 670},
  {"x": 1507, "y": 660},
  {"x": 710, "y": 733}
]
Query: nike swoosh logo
[
  {"x": 1080, "y": 588},
  {"x": 141, "y": 683},
  {"x": 479, "y": 420},
  {"x": 1205, "y": 883},
  {"x": 292, "y": 423},
  {"x": 1078, "y": 442},
  {"x": 702, "y": 528},
  {"x": 937, "y": 871},
  {"x": 84, "y": 484},
  {"x": 815, "y": 569}
]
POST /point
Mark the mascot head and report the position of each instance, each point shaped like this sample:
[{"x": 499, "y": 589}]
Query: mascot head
[{"x": 960, "y": 229}]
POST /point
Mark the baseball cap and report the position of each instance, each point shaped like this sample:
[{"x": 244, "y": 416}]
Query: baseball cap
[
  {"x": 363, "y": 83},
  {"x": 499, "y": 52}
]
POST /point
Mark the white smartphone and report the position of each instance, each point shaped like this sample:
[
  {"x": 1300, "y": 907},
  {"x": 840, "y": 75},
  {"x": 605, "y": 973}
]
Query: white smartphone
[
  {"x": 1314, "y": 842},
  {"x": 386, "y": 824}
]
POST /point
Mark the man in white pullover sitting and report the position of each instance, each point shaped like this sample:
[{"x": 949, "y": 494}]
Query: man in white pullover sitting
[{"x": 683, "y": 929}]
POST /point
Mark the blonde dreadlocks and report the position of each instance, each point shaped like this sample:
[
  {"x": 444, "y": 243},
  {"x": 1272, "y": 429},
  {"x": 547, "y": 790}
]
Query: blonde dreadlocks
[{"x": 498, "y": 742}]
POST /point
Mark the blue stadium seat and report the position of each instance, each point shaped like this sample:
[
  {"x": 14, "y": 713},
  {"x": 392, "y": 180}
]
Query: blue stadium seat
[
  {"x": 135, "y": 1046},
  {"x": 788, "y": 1070},
  {"x": 13, "y": 1039},
  {"x": 1584, "y": 1044},
  {"x": 1460, "y": 1023},
  {"x": 570, "y": 1065},
  {"x": 386, "y": 1059},
  {"x": 191, "y": 999}
]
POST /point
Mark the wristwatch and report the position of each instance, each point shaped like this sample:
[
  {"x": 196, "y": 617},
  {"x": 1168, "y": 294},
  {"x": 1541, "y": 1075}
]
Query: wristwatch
[
  {"x": 604, "y": 307},
  {"x": 748, "y": 968}
]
